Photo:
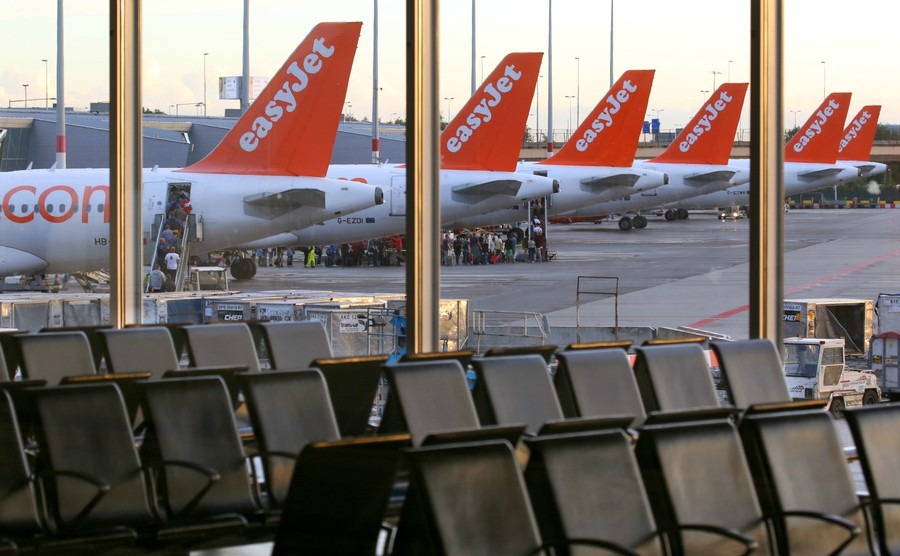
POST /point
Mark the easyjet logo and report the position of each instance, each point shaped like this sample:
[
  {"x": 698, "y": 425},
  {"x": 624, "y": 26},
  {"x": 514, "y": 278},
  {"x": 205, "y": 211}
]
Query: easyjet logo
[
  {"x": 284, "y": 100},
  {"x": 855, "y": 126},
  {"x": 56, "y": 204},
  {"x": 815, "y": 128},
  {"x": 493, "y": 96},
  {"x": 705, "y": 124},
  {"x": 604, "y": 119}
]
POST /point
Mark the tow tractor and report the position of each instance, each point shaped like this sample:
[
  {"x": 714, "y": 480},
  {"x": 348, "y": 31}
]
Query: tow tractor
[{"x": 816, "y": 369}]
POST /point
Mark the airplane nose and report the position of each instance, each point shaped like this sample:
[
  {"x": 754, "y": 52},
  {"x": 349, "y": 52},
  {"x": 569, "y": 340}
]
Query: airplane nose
[{"x": 14, "y": 262}]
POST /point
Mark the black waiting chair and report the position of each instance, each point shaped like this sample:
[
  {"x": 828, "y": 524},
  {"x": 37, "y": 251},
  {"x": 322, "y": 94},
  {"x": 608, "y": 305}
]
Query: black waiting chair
[
  {"x": 353, "y": 385},
  {"x": 175, "y": 330},
  {"x": 338, "y": 496},
  {"x": 92, "y": 333},
  {"x": 288, "y": 410},
  {"x": 751, "y": 372},
  {"x": 597, "y": 382},
  {"x": 588, "y": 485},
  {"x": 702, "y": 492},
  {"x": 221, "y": 345},
  {"x": 52, "y": 356},
  {"x": 431, "y": 401},
  {"x": 674, "y": 377},
  {"x": 515, "y": 389},
  {"x": 295, "y": 344},
  {"x": 464, "y": 356},
  {"x": 139, "y": 349},
  {"x": 193, "y": 446},
  {"x": 803, "y": 480},
  {"x": 874, "y": 430},
  {"x": 493, "y": 516}
]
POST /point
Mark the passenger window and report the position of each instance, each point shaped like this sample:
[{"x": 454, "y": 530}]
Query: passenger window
[
  {"x": 100, "y": 207},
  {"x": 24, "y": 208},
  {"x": 49, "y": 209},
  {"x": 11, "y": 208},
  {"x": 87, "y": 208},
  {"x": 62, "y": 208},
  {"x": 75, "y": 208}
]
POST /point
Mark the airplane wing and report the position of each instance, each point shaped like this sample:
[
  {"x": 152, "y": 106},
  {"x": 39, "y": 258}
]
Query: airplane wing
[
  {"x": 273, "y": 205},
  {"x": 495, "y": 187},
  {"x": 600, "y": 184},
  {"x": 702, "y": 178},
  {"x": 813, "y": 175}
]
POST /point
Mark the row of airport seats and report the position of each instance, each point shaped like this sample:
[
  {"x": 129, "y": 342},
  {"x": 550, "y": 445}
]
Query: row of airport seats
[{"x": 630, "y": 458}]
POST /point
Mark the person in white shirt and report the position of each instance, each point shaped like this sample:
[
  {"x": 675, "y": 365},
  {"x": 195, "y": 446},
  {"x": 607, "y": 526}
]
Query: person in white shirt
[{"x": 172, "y": 260}]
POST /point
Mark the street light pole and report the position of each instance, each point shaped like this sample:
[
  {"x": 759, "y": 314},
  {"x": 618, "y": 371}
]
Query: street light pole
[
  {"x": 205, "y": 54},
  {"x": 704, "y": 94},
  {"x": 823, "y": 79},
  {"x": 569, "y": 127},
  {"x": 482, "y": 69},
  {"x": 729, "y": 70},
  {"x": 448, "y": 99},
  {"x": 46, "y": 84},
  {"x": 715, "y": 73},
  {"x": 795, "y": 117},
  {"x": 26, "y": 94},
  {"x": 537, "y": 110},
  {"x": 577, "y": 89}
]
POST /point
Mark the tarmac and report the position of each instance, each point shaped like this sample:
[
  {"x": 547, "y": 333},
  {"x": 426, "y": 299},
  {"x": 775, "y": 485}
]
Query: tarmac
[{"x": 692, "y": 272}]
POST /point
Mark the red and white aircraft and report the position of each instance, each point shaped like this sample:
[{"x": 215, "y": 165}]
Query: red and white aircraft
[
  {"x": 595, "y": 165},
  {"x": 479, "y": 149},
  {"x": 696, "y": 162},
  {"x": 810, "y": 159},
  {"x": 266, "y": 176}
]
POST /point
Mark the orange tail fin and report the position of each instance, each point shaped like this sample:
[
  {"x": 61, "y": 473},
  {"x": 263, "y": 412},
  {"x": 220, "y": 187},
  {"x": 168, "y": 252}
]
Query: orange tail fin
[
  {"x": 708, "y": 137},
  {"x": 487, "y": 133},
  {"x": 856, "y": 144},
  {"x": 817, "y": 139},
  {"x": 609, "y": 135},
  {"x": 290, "y": 129}
]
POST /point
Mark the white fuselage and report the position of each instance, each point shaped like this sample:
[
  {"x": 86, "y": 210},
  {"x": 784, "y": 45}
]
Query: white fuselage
[
  {"x": 685, "y": 181},
  {"x": 58, "y": 221},
  {"x": 579, "y": 186},
  {"x": 794, "y": 183},
  {"x": 390, "y": 218}
]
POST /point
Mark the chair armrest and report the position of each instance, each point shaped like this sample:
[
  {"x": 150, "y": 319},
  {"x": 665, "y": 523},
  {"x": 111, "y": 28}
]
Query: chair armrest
[
  {"x": 212, "y": 477},
  {"x": 749, "y": 543},
  {"x": 852, "y": 528},
  {"x": 102, "y": 489}
]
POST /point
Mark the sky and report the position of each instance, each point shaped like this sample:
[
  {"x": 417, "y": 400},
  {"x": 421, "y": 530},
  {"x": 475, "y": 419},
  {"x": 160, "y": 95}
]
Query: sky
[{"x": 692, "y": 44}]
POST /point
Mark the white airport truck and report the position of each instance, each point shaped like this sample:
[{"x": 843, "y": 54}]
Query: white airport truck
[{"x": 815, "y": 368}]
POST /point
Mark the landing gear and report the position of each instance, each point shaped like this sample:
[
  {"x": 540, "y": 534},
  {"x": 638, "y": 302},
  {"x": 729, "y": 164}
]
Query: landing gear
[
  {"x": 243, "y": 269},
  {"x": 625, "y": 223},
  {"x": 639, "y": 222},
  {"x": 682, "y": 214},
  {"x": 516, "y": 233},
  {"x": 671, "y": 215}
]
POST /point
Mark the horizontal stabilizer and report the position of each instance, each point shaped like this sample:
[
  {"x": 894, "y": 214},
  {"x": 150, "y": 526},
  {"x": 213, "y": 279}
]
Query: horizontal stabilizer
[
  {"x": 604, "y": 183},
  {"x": 820, "y": 174},
  {"x": 496, "y": 187},
  {"x": 273, "y": 205},
  {"x": 701, "y": 178}
]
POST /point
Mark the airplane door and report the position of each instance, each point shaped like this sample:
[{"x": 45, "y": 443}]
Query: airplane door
[
  {"x": 154, "y": 208},
  {"x": 398, "y": 196}
]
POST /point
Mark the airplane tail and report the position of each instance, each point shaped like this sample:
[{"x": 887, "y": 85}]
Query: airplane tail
[
  {"x": 856, "y": 143},
  {"x": 609, "y": 135},
  {"x": 817, "y": 139},
  {"x": 291, "y": 127},
  {"x": 709, "y": 136},
  {"x": 487, "y": 133}
]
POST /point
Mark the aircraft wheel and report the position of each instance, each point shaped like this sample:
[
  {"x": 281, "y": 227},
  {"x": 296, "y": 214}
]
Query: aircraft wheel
[
  {"x": 254, "y": 267},
  {"x": 836, "y": 408},
  {"x": 625, "y": 223},
  {"x": 683, "y": 214},
  {"x": 243, "y": 269},
  {"x": 517, "y": 233},
  {"x": 640, "y": 222},
  {"x": 671, "y": 215}
]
